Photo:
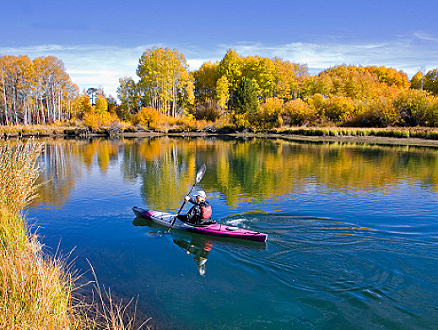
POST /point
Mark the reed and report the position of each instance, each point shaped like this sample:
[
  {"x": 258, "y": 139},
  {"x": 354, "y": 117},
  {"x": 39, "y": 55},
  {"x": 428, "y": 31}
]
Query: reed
[{"x": 36, "y": 291}]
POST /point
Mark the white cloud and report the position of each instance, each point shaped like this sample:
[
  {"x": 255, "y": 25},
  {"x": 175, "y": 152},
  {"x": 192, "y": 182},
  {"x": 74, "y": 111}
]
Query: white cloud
[
  {"x": 102, "y": 66},
  {"x": 407, "y": 54},
  {"x": 89, "y": 66}
]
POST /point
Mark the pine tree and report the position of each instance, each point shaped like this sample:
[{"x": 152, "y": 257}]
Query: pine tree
[{"x": 246, "y": 97}]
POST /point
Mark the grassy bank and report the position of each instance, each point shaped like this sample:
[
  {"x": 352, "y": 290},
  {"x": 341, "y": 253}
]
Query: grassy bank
[
  {"x": 36, "y": 291},
  {"x": 72, "y": 130}
]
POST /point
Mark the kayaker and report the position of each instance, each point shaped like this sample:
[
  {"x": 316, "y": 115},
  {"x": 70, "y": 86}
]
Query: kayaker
[{"x": 201, "y": 211}]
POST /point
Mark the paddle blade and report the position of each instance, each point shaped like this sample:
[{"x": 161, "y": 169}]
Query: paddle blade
[{"x": 200, "y": 173}]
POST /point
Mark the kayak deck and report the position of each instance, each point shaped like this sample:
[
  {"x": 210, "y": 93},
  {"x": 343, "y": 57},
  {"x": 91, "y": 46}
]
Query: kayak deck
[{"x": 216, "y": 229}]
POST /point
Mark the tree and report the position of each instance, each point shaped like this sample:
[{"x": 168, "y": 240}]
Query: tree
[
  {"x": 129, "y": 95},
  {"x": 412, "y": 104},
  {"x": 246, "y": 97},
  {"x": 205, "y": 82},
  {"x": 270, "y": 113},
  {"x": 222, "y": 92},
  {"x": 164, "y": 80},
  {"x": 338, "y": 109},
  {"x": 261, "y": 71},
  {"x": 289, "y": 79},
  {"x": 37, "y": 91},
  {"x": 92, "y": 94},
  {"x": 298, "y": 112},
  {"x": 231, "y": 68},
  {"x": 101, "y": 105},
  {"x": 431, "y": 81},
  {"x": 417, "y": 81}
]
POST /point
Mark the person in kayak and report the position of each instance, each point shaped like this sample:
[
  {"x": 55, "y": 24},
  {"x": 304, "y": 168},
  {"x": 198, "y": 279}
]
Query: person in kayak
[{"x": 201, "y": 211}]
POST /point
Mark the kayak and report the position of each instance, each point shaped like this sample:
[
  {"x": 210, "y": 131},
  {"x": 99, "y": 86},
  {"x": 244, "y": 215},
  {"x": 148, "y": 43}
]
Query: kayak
[{"x": 215, "y": 229}]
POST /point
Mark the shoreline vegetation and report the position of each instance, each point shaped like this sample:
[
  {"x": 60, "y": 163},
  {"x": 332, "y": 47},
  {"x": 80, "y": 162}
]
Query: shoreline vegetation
[
  {"x": 238, "y": 95},
  {"x": 38, "y": 291},
  {"x": 414, "y": 136}
]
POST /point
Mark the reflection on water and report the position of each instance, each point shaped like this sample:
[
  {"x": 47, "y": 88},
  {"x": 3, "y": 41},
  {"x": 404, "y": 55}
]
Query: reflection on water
[
  {"x": 195, "y": 245},
  {"x": 352, "y": 230},
  {"x": 192, "y": 244},
  {"x": 238, "y": 170},
  {"x": 198, "y": 248}
]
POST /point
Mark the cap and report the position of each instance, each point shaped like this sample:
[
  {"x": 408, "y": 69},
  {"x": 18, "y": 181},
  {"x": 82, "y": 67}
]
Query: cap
[{"x": 201, "y": 193}]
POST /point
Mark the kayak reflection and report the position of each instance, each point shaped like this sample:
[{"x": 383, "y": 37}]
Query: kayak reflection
[
  {"x": 196, "y": 245},
  {"x": 191, "y": 244},
  {"x": 198, "y": 248}
]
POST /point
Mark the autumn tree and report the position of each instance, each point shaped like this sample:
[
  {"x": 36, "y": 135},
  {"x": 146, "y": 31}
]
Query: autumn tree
[
  {"x": 222, "y": 92},
  {"x": 270, "y": 113},
  {"x": 417, "y": 81},
  {"x": 412, "y": 105},
  {"x": 298, "y": 112},
  {"x": 129, "y": 95},
  {"x": 289, "y": 79},
  {"x": 431, "y": 81},
  {"x": 205, "y": 82},
  {"x": 165, "y": 82},
  {"x": 35, "y": 91},
  {"x": 261, "y": 71}
]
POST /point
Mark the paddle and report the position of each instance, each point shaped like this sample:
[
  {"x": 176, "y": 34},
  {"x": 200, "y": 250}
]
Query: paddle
[{"x": 199, "y": 176}]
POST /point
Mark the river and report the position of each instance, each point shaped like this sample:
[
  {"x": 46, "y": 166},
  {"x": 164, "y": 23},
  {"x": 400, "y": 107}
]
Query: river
[{"x": 352, "y": 230}]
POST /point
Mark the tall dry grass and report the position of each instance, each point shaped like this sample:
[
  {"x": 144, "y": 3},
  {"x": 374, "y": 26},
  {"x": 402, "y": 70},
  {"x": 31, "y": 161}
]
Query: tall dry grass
[
  {"x": 18, "y": 172},
  {"x": 36, "y": 290}
]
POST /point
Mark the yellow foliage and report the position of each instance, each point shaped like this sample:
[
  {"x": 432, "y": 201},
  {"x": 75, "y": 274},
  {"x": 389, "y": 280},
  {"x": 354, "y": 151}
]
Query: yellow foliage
[
  {"x": 270, "y": 113},
  {"x": 150, "y": 118},
  {"x": 296, "y": 112},
  {"x": 338, "y": 108},
  {"x": 241, "y": 120},
  {"x": 100, "y": 120},
  {"x": 101, "y": 105}
]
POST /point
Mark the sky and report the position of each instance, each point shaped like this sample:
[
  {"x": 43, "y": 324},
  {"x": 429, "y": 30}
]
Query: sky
[{"x": 102, "y": 41}]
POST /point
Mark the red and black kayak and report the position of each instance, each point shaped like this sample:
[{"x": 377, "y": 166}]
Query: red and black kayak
[{"x": 216, "y": 229}]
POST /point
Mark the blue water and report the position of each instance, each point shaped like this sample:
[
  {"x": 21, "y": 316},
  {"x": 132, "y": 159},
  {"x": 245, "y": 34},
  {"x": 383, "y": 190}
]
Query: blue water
[{"x": 355, "y": 253}]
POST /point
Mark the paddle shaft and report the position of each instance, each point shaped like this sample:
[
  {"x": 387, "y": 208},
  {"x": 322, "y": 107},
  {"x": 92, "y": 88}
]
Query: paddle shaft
[
  {"x": 184, "y": 203},
  {"x": 199, "y": 176}
]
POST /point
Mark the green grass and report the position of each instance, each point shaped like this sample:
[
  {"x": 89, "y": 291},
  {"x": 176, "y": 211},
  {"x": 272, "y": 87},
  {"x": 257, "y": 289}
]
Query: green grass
[{"x": 401, "y": 133}]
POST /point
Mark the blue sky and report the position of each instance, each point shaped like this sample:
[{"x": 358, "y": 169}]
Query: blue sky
[{"x": 102, "y": 41}]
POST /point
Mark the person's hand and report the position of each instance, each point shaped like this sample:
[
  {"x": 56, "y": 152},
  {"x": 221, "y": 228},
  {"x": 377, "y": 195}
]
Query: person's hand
[{"x": 187, "y": 198}]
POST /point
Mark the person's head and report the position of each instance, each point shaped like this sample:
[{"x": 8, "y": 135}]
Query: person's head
[{"x": 200, "y": 196}]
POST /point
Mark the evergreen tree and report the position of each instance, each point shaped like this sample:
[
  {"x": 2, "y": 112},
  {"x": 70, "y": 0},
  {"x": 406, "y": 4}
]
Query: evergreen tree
[{"x": 246, "y": 97}]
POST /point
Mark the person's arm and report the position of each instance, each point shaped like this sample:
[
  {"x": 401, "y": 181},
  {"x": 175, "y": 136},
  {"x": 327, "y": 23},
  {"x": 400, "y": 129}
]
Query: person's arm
[{"x": 191, "y": 200}]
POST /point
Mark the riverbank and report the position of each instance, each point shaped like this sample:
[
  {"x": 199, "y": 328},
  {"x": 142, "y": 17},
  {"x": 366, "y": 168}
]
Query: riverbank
[
  {"x": 414, "y": 136},
  {"x": 38, "y": 291}
]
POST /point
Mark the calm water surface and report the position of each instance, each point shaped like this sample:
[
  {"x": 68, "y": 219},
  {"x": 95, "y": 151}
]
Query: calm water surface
[{"x": 353, "y": 230}]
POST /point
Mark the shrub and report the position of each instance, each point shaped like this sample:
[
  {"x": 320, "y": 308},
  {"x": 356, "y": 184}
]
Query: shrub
[
  {"x": 241, "y": 120},
  {"x": 297, "y": 112},
  {"x": 150, "y": 118},
  {"x": 208, "y": 110},
  {"x": 270, "y": 114},
  {"x": 412, "y": 104},
  {"x": 100, "y": 120},
  {"x": 338, "y": 109}
]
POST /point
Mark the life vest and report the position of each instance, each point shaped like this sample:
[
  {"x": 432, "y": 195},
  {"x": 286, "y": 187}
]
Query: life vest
[{"x": 206, "y": 212}]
